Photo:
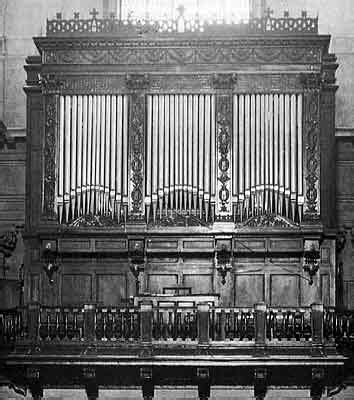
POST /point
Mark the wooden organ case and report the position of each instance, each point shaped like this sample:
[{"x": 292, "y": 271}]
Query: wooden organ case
[{"x": 176, "y": 160}]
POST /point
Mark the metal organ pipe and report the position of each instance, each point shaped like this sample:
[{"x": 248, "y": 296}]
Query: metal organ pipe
[
  {"x": 184, "y": 129},
  {"x": 93, "y": 137},
  {"x": 268, "y": 155}
]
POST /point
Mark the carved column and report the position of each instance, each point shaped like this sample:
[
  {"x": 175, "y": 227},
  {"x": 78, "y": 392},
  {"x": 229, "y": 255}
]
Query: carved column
[
  {"x": 224, "y": 84},
  {"x": 50, "y": 89},
  {"x": 312, "y": 155},
  {"x": 137, "y": 84}
]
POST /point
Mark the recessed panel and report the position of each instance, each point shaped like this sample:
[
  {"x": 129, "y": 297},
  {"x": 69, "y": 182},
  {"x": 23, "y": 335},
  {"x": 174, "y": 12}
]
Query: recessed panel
[
  {"x": 325, "y": 290},
  {"x": 76, "y": 289},
  {"x": 111, "y": 289},
  {"x": 284, "y": 290},
  {"x": 156, "y": 282},
  {"x": 199, "y": 283},
  {"x": 249, "y": 290}
]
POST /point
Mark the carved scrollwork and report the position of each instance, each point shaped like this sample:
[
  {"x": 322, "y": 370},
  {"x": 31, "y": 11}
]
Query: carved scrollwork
[
  {"x": 50, "y": 83},
  {"x": 224, "y": 81},
  {"x": 49, "y": 157},
  {"x": 268, "y": 221},
  {"x": 137, "y": 153},
  {"x": 95, "y": 221},
  {"x": 175, "y": 219},
  {"x": 137, "y": 81},
  {"x": 224, "y": 112},
  {"x": 312, "y": 126},
  {"x": 311, "y": 81}
]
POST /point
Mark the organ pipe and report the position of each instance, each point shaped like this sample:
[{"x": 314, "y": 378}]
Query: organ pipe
[
  {"x": 268, "y": 155},
  {"x": 181, "y": 163},
  {"x": 92, "y": 161}
]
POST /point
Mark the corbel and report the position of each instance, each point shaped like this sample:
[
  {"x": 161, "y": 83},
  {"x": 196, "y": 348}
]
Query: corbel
[
  {"x": 317, "y": 383},
  {"x": 147, "y": 383},
  {"x": 34, "y": 383},
  {"x": 136, "y": 254},
  {"x": 91, "y": 385},
  {"x": 203, "y": 377},
  {"x": 260, "y": 383},
  {"x": 49, "y": 256}
]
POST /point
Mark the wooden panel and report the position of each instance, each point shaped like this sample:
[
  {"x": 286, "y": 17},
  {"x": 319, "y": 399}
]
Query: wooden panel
[
  {"x": 110, "y": 245},
  {"x": 284, "y": 290},
  {"x": 162, "y": 244},
  {"x": 74, "y": 245},
  {"x": 325, "y": 255},
  {"x": 325, "y": 290},
  {"x": 34, "y": 287},
  {"x": 111, "y": 288},
  {"x": 248, "y": 245},
  {"x": 280, "y": 245},
  {"x": 76, "y": 289},
  {"x": 349, "y": 294},
  {"x": 198, "y": 244},
  {"x": 200, "y": 283},
  {"x": 249, "y": 290},
  {"x": 156, "y": 282},
  {"x": 9, "y": 294}
]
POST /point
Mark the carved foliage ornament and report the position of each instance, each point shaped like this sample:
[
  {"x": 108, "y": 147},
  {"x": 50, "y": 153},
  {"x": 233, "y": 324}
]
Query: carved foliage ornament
[
  {"x": 137, "y": 82},
  {"x": 49, "y": 156},
  {"x": 50, "y": 83},
  {"x": 224, "y": 81},
  {"x": 224, "y": 112},
  {"x": 137, "y": 152},
  {"x": 312, "y": 154}
]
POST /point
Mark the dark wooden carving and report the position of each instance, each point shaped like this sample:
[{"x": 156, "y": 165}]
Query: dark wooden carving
[
  {"x": 224, "y": 127},
  {"x": 50, "y": 156},
  {"x": 312, "y": 137},
  {"x": 137, "y": 154}
]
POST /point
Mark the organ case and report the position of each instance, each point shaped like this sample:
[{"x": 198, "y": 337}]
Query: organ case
[{"x": 161, "y": 139}]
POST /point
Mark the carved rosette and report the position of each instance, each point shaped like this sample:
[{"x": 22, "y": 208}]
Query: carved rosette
[
  {"x": 224, "y": 115},
  {"x": 312, "y": 154},
  {"x": 49, "y": 157},
  {"x": 137, "y": 154}
]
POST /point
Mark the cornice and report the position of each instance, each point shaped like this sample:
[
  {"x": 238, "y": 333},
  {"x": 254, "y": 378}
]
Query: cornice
[{"x": 170, "y": 41}]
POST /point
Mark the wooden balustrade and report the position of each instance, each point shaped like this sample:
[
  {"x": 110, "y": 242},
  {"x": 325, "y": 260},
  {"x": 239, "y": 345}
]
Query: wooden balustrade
[{"x": 203, "y": 324}]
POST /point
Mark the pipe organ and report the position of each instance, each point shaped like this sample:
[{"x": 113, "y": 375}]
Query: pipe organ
[
  {"x": 198, "y": 161},
  {"x": 92, "y": 174}
]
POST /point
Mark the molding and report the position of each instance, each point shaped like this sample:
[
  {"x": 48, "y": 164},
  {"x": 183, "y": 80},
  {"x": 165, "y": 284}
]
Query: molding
[{"x": 344, "y": 132}]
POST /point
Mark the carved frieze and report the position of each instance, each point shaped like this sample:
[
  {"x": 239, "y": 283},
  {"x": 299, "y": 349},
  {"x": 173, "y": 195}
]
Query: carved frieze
[
  {"x": 92, "y": 84},
  {"x": 224, "y": 128},
  {"x": 211, "y": 53},
  {"x": 177, "y": 219},
  {"x": 137, "y": 117},
  {"x": 95, "y": 221},
  {"x": 49, "y": 157}
]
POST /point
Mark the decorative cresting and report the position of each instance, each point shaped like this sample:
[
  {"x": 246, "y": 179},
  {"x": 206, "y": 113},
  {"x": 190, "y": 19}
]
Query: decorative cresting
[
  {"x": 180, "y": 156},
  {"x": 312, "y": 87},
  {"x": 51, "y": 86},
  {"x": 113, "y": 25},
  {"x": 224, "y": 130}
]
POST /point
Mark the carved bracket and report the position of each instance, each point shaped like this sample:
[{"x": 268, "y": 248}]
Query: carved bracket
[
  {"x": 203, "y": 376},
  {"x": 91, "y": 385},
  {"x": 137, "y": 81},
  {"x": 34, "y": 382},
  {"x": 50, "y": 84},
  {"x": 147, "y": 383},
  {"x": 317, "y": 384},
  {"x": 260, "y": 383},
  {"x": 224, "y": 81}
]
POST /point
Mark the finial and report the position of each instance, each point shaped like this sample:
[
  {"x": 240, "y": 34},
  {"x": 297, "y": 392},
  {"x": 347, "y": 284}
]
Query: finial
[
  {"x": 76, "y": 15},
  {"x": 181, "y": 9},
  {"x": 268, "y": 12},
  {"x": 94, "y": 13}
]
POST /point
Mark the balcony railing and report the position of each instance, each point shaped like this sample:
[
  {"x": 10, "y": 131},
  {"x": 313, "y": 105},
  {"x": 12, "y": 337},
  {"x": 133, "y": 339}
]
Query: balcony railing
[{"x": 202, "y": 324}]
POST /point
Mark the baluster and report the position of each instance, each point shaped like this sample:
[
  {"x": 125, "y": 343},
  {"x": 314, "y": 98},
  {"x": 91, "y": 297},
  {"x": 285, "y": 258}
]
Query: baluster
[
  {"x": 65, "y": 316},
  {"x": 170, "y": 325},
  {"x": 250, "y": 325},
  {"x": 136, "y": 324},
  {"x": 228, "y": 332},
  {"x": 121, "y": 324},
  {"x": 114, "y": 324},
  {"x": 104, "y": 324},
  {"x": 57, "y": 323},
  {"x": 187, "y": 330},
  {"x": 131, "y": 324},
  {"x": 179, "y": 325},
  {"x": 75, "y": 333}
]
